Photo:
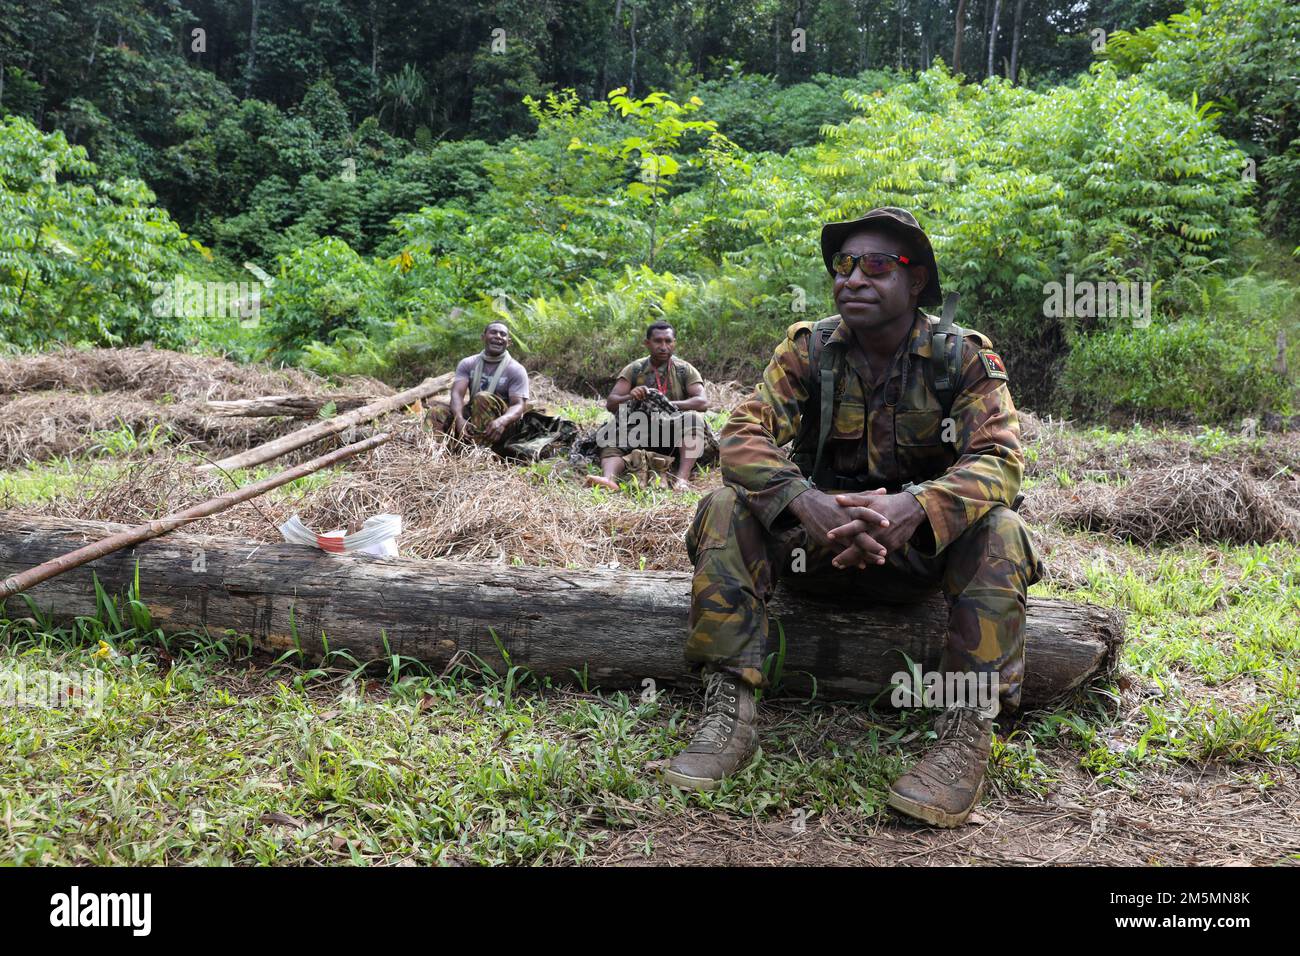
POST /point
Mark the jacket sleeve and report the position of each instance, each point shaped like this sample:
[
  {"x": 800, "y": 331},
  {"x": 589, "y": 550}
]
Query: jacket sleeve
[
  {"x": 750, "y": 446},
  {"x": 990, "y": 463}
]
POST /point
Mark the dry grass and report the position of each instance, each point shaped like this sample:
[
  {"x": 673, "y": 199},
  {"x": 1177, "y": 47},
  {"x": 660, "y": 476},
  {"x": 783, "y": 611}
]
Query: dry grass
[
  {"x": 455, "y": 501},
  {"x": 464, "y": 502},
  {"x": 1207, "y": 501},
  {"x": 158, "y": 374},
  {"x": 35, "y": 426},
  {"x": 1063, "y": 446},
  {"x": 53, "y": 405}
]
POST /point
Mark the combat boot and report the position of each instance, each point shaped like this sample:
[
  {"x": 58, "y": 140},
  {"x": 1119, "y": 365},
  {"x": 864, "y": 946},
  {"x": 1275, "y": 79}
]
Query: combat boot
[
  {"x": 945, "y": 786},
  {"x": 726, "y": 739}
]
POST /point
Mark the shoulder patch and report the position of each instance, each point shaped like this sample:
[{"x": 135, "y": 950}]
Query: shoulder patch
[
  {"x": 793, "y": 331},
  {"x": 993, "y": 365}
]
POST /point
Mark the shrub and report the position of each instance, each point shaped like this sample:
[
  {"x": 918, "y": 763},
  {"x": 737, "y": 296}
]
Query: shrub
[{"x": 78, "y": 257}]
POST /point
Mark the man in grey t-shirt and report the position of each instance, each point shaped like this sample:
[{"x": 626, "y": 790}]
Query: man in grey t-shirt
[{"x": 488, "y": 394}]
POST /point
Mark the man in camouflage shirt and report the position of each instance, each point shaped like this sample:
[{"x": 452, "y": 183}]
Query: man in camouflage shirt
[
  {"x": 903, "y": 497},
  {"x": 658, "y": 403}
]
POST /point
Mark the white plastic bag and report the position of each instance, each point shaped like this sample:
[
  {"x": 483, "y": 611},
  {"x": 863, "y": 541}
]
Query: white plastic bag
[{"x": 378, "y": 536}]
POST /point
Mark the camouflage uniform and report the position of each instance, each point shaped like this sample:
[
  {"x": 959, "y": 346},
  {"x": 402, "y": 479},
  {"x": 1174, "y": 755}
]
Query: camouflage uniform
[
  {"x": 892, "y": 435},
  {"x": 480, "y": 411},
  {"x": 533, "y": 437},
  {"x": 688, "y": 427}
]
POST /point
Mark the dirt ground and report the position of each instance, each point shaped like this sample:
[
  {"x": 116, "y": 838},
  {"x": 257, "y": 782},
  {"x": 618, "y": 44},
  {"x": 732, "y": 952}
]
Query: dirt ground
[{"x": 1208, "y": 817}]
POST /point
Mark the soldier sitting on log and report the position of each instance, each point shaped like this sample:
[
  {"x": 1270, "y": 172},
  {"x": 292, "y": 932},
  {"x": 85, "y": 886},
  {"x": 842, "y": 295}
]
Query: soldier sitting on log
[
  {"x": 903, "y": 479},
  {"x": 658, "y": 404},
  {"x": 496, "y": 387}
]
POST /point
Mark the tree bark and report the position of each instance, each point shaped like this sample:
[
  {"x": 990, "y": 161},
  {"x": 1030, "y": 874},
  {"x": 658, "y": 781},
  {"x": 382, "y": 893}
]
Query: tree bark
[
  {"x": 314, "y": 433},
  {"x": 1015, "y": 43},
  {"x": 956, "y": 43},
  {"x": 631, "y": 73},
  {"x": 620, "y": 627},
  {"x": 374, "y": 53},
  {"x": 993, "y": 34},
  {"x": 900, "y": 35},
  {"x": 252, "y": 53},
  {"x": 293, "y": 406}
]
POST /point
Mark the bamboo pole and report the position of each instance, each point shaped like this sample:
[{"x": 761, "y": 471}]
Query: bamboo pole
[
  {"x": 160, "y": 526},
  {"x": 313, "y": 433}
]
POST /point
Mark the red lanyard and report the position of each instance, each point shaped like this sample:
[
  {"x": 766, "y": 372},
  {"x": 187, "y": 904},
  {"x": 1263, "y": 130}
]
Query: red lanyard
[{"x": 662, "y": 383}]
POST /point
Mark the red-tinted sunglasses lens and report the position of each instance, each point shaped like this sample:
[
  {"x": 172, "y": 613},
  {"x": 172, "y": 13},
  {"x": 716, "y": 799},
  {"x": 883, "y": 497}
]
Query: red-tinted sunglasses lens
[{"x": 873, "y": 263}]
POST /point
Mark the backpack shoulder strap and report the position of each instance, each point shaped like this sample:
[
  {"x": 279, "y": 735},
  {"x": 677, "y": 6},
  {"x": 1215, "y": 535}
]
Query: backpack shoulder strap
[
  {"x": 476, "y": 376},
  {"x": 821, "y": 334},
  {"x": 947, "y": 348},
  {"x": 822, "y": 370},
  {"x": 500, "y": 370}
]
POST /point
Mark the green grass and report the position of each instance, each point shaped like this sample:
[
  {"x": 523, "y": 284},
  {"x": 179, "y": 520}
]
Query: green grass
[
  {"x": 198, "y": 745},
  {"x": 195, "y": 750},
  {"x": 203, "y": 754},
  {"x": 43, "y": 481},
  {"x": 1213, "y": 640}
]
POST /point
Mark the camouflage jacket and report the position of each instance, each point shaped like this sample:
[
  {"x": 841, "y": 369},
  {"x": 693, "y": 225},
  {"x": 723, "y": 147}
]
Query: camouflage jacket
[
  {"x": 888, "y": 434},
  {"x": 677, "y": 378}
]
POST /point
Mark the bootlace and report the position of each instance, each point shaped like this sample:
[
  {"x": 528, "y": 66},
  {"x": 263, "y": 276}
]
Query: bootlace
[
  {"x": 958, "y": 732},
  {"x": 716, "y": 726}
]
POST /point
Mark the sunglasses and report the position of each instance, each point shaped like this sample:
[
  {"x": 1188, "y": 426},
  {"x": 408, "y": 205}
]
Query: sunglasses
[{"x": 873, "y": 263}]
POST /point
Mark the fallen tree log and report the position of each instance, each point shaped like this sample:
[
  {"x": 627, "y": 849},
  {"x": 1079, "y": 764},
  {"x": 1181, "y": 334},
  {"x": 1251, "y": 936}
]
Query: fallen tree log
[
  {"x": 314, "y": 433},
  {"x": 289, "y": 406},
  {"x": 621, "y": 626},
  {"x": 309, "y": 406}
]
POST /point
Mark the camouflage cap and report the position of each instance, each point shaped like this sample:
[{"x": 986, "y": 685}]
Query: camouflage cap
[{"x": 889, "y": 219}]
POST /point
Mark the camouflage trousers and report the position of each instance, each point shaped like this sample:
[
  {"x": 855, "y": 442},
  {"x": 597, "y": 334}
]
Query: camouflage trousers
[
  {"x": 660, "y": 433},
  {"x": 480, "y": 412},
  {"x": 533, "y": 437},
  {"x": 983, "y": 574}
]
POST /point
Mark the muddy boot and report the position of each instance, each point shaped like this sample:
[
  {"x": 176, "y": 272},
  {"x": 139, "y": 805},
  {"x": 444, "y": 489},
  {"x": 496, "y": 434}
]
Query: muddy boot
[
  {"x": 726, "y": 739},
  {"x": 945, "y": 786}
]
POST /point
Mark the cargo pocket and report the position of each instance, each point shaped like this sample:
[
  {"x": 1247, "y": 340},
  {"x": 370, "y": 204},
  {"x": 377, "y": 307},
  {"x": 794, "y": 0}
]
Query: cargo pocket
[
  {"x": 850, "y": 420},
  {"x": 918, "y": 442}
]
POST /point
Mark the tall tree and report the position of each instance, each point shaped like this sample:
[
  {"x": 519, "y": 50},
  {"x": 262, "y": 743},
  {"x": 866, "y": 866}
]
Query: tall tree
[
  {"x": 252, "y": 52},
  {"x": 993, "y": 34},
  {"x": 1015, "y": 41},
  {"x": 959, "y": 29}
]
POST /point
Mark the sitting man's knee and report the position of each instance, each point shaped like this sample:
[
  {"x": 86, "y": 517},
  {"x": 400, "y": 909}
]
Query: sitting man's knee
[
  {"x": 712, "y": 524},
  {"x": 1002, "y": 533}
]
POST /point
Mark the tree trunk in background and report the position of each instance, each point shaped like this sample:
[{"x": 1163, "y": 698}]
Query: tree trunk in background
[
  {"x": 956, "y": 43},
  {"x": 1015, "y": 42},
  {"x": 900, "y": 34},
  {"x": 863, "y": 56},
  {"x": 993, "y": 33},
  {"x": 798, "y": 23},
  {"x": 631, "y": 73},
  {"x": 925, "y": 42},
  {"x": 252, "y": 52},
  {"x": 777, "y": 41},
  {"x": 374, "y": 52},
  {"x": 609, "y": 39}
]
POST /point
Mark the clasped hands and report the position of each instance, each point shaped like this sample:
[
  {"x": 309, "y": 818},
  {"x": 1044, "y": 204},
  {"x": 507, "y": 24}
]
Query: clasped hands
[
  {"x": 493, "y": 432},
  {"x": 864, "y": 526}
]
